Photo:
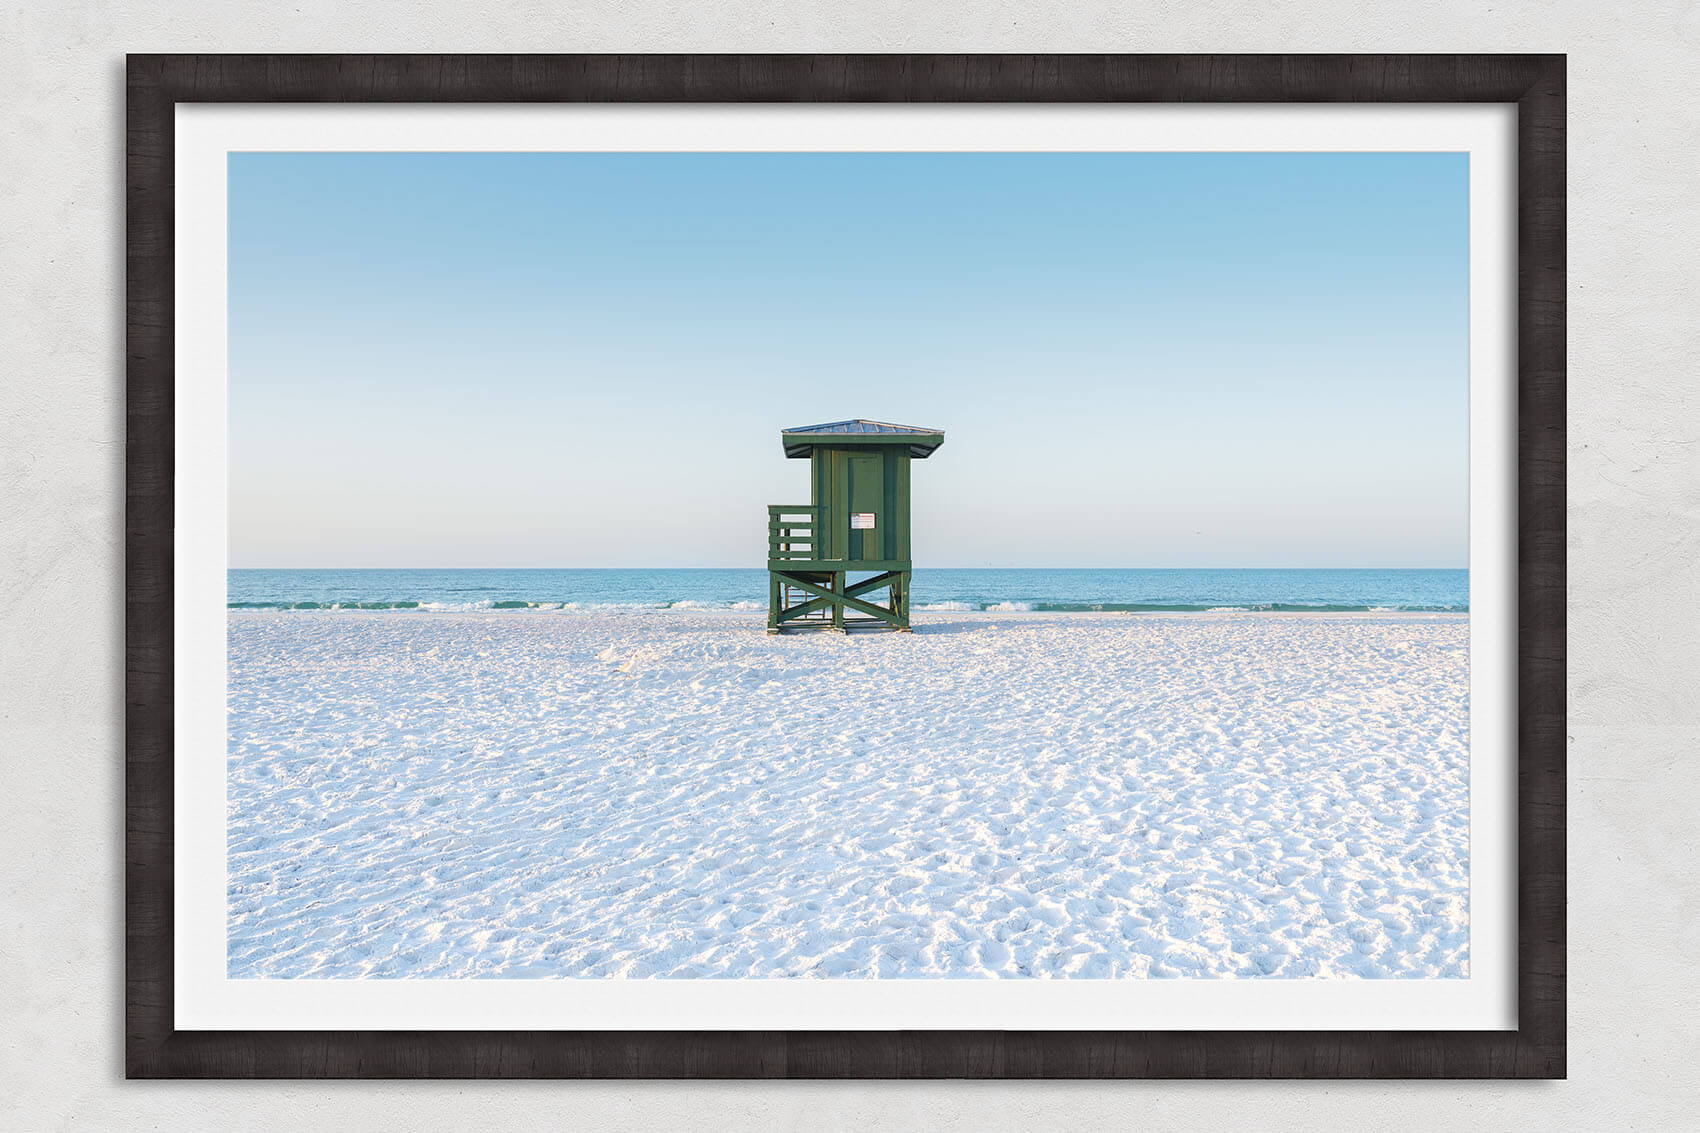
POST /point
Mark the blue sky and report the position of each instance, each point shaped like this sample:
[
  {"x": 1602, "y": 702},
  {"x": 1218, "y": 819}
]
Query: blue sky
[{"x": 582, "y": 360}]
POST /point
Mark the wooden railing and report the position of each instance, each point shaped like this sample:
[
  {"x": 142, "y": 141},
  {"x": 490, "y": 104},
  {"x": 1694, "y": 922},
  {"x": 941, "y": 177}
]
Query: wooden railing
[{"x": 792, "y": 531}]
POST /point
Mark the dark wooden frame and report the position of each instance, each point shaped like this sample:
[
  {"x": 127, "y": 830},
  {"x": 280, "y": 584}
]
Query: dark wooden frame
[{"x": 1534, "y": 83}]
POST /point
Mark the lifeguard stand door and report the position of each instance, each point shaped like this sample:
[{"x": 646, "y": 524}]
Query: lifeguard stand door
[{"x": 867, "y": 517}]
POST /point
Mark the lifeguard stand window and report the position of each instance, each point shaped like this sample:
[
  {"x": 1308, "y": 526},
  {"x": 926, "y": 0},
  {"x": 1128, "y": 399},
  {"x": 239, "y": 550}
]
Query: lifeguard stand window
[{"x": 856, "y": 520}]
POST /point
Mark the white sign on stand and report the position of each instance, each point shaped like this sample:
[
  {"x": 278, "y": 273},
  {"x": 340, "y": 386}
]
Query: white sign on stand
[{"x": 862, "y": 521}]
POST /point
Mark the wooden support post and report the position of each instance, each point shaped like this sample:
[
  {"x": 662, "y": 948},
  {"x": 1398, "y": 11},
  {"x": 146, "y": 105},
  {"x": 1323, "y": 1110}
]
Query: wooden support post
[
  {"x": 838, "y": 580},
  {"x": 772, "y": 602}
]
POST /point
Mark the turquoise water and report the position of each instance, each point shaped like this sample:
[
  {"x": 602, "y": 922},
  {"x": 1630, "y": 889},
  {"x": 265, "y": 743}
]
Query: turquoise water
[{"x": 1004, "y": 590}]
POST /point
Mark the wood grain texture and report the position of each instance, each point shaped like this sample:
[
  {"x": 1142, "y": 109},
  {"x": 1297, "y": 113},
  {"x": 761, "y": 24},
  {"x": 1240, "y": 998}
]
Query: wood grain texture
[{"x": 1535, "y": 83}]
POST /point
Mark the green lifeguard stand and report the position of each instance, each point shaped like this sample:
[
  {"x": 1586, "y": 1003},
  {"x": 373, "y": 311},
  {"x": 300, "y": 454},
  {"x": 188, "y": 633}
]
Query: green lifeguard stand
[{"x": 857, "y": 521}]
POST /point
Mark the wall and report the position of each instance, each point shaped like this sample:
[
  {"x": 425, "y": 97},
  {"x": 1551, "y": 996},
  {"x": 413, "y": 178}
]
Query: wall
[{"x": 1635, "y": 497}]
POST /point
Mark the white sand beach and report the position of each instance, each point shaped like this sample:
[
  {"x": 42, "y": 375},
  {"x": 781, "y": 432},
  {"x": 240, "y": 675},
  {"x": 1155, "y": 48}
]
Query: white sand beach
[{"x": 673, "y": 794}]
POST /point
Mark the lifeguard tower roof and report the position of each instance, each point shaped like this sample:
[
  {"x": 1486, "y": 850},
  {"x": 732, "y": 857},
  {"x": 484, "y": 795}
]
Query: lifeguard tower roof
[{"x": 800, "y": 442}]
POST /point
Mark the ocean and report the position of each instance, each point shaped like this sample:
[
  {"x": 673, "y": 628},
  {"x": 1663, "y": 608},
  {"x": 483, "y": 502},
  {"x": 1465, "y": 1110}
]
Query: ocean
[{"x": 933, "y": 589}]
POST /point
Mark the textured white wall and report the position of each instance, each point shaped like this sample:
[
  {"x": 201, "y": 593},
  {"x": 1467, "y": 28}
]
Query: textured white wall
[{"x": 1634, "y": 545}]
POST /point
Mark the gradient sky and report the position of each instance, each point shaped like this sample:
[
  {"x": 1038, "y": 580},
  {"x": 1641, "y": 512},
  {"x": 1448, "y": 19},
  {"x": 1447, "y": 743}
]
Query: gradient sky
[{"x": 583, "y": 360}]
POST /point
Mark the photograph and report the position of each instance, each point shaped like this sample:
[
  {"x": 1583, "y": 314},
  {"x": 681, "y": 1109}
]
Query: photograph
[{"x": 1019, "y": 566}]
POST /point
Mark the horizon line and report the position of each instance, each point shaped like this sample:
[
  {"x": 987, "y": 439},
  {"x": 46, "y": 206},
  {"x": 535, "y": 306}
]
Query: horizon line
[{"x": 763, "y": 569}]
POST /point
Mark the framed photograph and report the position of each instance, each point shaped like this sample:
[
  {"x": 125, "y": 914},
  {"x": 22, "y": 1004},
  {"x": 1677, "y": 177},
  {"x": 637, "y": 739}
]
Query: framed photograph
[{"x": 561, "y": 641}]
